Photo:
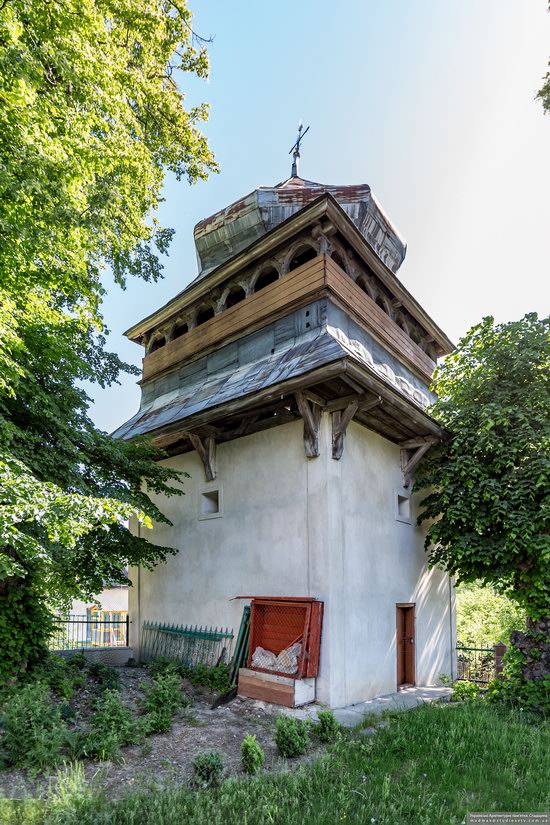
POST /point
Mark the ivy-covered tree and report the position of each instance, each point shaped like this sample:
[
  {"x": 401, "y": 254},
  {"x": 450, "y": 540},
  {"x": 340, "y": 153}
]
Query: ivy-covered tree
[
  {"x": 91, "y": 120},
  {"x": 488, "y": 484}
]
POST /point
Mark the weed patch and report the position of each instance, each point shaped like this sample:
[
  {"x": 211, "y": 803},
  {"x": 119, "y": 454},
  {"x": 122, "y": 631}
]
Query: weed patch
[
  {"x": 112, "y": 727},
  {"x": 35, "y": 736}
]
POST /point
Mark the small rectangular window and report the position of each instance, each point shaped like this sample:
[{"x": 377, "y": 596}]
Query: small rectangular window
[
  {"x": 403, "y": 508},
  {"x": 210, "y": 503}
]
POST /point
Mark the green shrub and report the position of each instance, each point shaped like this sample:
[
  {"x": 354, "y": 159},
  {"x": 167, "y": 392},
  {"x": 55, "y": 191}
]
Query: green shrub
[
  {"x": 112, "y": 726},
  {"x": 34, "y": 734},
  {"x": 161, "y": 665},
  {"x": 464, "y": 691},
  {"x": 252, "y": 755},
  {"x": 327, "y": 728},
  {"x": 511, "y": 687},
  {"x": 208, "y": 768},
  {"x": 162, "y": 701},
  {"x": 77, "y": 661},
  {"x": 106, "y": 677},
  {"x": 291, "y": 736},
  {"x": 216, "y": 678},
  {"x": 61, "y": 676}
]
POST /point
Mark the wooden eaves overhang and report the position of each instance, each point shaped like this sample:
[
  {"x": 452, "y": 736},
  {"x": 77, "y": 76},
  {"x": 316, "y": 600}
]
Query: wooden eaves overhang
[{"x": 323, "y": 378}]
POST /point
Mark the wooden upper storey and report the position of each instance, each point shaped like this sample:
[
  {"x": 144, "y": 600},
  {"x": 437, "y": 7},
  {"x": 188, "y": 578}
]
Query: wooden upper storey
[
  {"x": 316, "y": 251},
  {"x": 319, "y": 276}
]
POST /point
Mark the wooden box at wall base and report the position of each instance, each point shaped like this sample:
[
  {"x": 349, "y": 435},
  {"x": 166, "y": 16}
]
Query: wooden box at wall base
[{"x": 279, "y": 690}]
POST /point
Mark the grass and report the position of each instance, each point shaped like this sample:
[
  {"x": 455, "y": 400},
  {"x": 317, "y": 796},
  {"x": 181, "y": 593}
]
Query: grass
[{"x": 428, "y": 767}]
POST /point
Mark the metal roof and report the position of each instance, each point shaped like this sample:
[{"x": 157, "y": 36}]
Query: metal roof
[{"x": 229, "y": 231}]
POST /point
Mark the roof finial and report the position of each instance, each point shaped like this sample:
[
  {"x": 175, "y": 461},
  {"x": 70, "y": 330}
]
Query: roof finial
[{"x": 295, "y": 151}]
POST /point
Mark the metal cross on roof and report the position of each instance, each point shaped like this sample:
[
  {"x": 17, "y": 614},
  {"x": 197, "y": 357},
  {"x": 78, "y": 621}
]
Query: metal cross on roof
[{"x": 295, "y": 151}]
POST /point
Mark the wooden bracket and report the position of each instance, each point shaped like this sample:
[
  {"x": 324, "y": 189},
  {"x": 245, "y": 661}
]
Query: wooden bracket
[
  {"x": 311, "y": 414},
  {"x": 408, "y": 461},
  {"x": 342, "y": 417},
  {"x": 206, "y": 448},
  {"x": 340, "y": 421}
]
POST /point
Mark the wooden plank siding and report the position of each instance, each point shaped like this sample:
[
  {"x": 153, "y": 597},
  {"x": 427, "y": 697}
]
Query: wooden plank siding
[
  {"x": 247, "y": 316},
  {"x": 375, "y": 319},
  {"x": 314, "y": 278}
]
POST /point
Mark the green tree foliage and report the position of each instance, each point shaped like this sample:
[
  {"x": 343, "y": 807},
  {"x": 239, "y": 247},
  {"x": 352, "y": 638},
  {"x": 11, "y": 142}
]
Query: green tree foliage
[
  {"x": 488, "y": 499},
  {"x": 484, "y": 617},
  {"x": 544, "y": 94},
  {"x": 91, "y": 120}
]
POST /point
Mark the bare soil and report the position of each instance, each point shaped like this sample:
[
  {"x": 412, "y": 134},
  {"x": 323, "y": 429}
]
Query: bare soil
[{"x": 165, "y": 760}]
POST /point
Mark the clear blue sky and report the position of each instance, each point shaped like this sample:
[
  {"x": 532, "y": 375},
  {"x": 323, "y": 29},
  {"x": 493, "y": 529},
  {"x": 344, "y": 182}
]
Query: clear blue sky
[{"x": 431, "y": 103}]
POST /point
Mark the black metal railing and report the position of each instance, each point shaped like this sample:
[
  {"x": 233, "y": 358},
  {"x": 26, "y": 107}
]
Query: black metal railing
[
  {"x": 79, "y": 632},
  {"x": 479, "y": 664}
]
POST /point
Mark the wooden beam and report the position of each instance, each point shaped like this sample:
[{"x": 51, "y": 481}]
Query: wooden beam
[
  {"x": 246, "y": 422},
  {"x": 353, "y": 384},
  {"x": 408, "y": 462},
  {"x": 313, "y": 397},
  {"x": 413, "y": 443},
  {"x": 206, "y": 448},
  {"x": 343, "y": 402},
  {"x": 311, "y": 414},
  {"x": 340, "y": 421}
]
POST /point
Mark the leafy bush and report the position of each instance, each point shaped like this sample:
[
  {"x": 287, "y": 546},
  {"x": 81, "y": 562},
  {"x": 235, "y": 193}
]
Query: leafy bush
[
  {"x": 112, "y": 726},
  {"x": 208, "y": 768},
  {"x": 34, "y": 734},
  {"x": 216, "y": 678},
  {"x": 77, "y": 661},
  {"x": 327, "y": 729},
  {"x": 527, "y": 694},
  {"x": 61, "y": 677},
  {"x": 252, "y": 754},
  {"x": 161, "y": 665},
  {"x": 162, "y": 701},
  {"x": 291, "y": 736},
  {"x": 107, "y": 677},
  {"x": 464, "y": 691}
]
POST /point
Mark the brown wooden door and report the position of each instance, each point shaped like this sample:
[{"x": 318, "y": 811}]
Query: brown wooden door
[{"x": 405, "y": 645}]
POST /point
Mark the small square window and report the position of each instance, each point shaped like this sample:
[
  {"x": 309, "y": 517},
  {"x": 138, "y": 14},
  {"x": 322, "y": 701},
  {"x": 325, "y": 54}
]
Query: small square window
[
  {"x": 210, "y": 504},
  {"x": 403, "y": 508}
]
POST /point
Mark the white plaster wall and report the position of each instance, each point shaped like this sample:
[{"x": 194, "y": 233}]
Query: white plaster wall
[
  {"x": 296, "y": 527},
  {"x": 258, "y": 547},
  {"x": 384, "y": 563}
]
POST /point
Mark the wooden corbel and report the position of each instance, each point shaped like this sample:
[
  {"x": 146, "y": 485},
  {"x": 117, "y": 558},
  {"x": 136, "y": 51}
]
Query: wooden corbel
[
  {"x": 408, "y": 461},
  {"x": 311, "y": 414},
  {"x": 340, "y": 421},
  {"x": 206, "y": 448},
  {"x": 341, "y": 417}
]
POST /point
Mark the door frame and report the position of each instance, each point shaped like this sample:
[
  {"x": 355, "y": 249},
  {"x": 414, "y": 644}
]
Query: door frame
[{"x": 409, "y": 677}]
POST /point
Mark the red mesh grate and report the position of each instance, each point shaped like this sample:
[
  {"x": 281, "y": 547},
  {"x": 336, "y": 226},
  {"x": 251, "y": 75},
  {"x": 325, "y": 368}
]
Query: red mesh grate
[{"x": 285, "y": 636}]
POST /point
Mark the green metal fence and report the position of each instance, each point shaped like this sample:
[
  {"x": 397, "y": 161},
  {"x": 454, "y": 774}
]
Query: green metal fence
[
  {"x": 190, "y": 645},
  {"x": 479, "y": 664}
]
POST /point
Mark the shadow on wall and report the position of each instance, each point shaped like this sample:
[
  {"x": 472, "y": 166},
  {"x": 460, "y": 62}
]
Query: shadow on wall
[{"x": 434, "y": 653}]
